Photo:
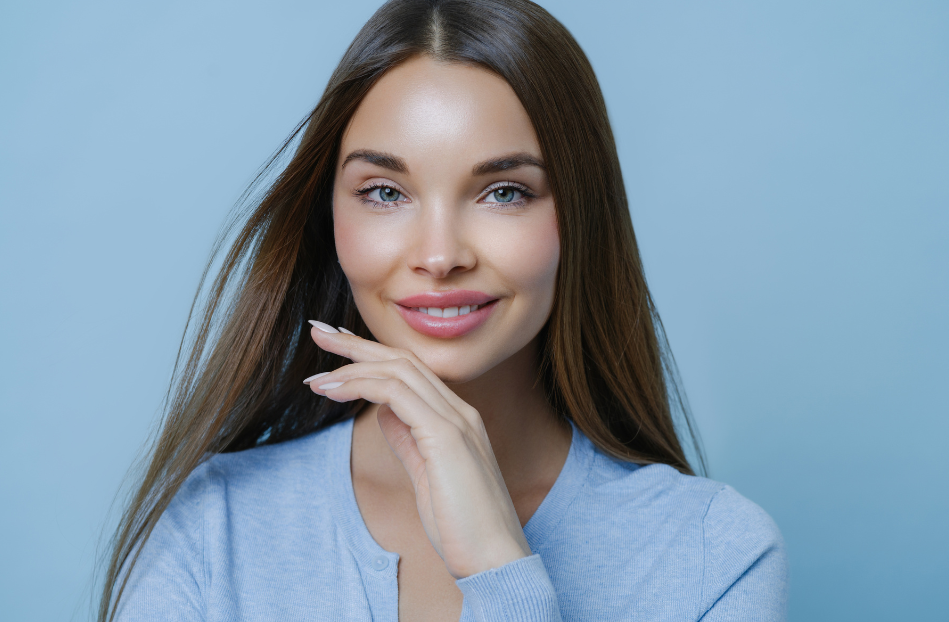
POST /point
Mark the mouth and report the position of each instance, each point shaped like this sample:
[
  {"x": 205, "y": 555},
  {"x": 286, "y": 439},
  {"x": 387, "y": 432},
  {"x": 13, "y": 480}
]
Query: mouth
[
  {"x": 446, "y": 312},
  {"x": 446, "y": 315}
]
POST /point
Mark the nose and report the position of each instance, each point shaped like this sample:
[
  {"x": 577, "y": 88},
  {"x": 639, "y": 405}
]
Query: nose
[{"x": 441, "y": 247}]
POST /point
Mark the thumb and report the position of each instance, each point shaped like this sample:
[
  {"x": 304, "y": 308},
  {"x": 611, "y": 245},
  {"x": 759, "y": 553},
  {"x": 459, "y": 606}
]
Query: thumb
[{"x": 399, "y": 436}]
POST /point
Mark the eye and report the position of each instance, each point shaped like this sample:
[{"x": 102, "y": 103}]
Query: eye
[
  {"x": 385, "y": 194},
  {"x": 379, "y": 195},
  {"x": 508, "y": 194},
  {"x": 504, "y": 194}
]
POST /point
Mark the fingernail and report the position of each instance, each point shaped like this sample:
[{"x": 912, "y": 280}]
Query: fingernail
[
  {"x": 311, "y": 378},
  {"x": 348, "y": 332},
  {"x": 326, "y": 328},
  {"x": 330, "y": 385}
]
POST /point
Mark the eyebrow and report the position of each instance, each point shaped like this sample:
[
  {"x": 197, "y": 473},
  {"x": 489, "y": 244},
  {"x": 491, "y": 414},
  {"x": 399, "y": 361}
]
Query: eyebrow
[
  {"x": 379, "y": 158},
  {"x": 397, "y": 164},
  {"x": 506, "y": 163}
]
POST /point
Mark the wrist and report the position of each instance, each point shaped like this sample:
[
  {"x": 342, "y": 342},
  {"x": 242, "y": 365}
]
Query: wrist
[{"x": 490, "y": 557}]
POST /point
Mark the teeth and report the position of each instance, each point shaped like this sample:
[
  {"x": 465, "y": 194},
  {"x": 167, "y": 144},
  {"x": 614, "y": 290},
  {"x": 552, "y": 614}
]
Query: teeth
[{"x": 448, "y": 311}]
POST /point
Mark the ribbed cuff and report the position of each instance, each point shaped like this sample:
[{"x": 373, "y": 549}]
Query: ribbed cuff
[{"x": 518, "y": 591}]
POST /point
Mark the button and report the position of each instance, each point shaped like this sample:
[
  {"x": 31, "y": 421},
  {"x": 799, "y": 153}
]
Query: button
[{"x": 380, "y": 563}]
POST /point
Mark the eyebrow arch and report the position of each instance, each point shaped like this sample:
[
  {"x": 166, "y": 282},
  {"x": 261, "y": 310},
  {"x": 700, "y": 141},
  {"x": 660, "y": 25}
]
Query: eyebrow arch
[
  {"x": 506, "y": 163},
  {"x": 379, "y": 158},
  {"x": 397, "y": 164}
]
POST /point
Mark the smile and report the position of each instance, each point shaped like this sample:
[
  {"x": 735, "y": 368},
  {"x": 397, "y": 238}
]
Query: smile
[
  {"x": 446, "y": 314},
  {"x": 447, "y": 311}
]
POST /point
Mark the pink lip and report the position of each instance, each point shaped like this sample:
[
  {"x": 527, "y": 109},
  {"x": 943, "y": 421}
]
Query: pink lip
[
  {"x": 448, "y": 327},
  {"x": 452, "y": 298}
]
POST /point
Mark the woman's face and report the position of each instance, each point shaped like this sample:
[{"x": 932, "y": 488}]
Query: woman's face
[{"x": 442, "y": 207}]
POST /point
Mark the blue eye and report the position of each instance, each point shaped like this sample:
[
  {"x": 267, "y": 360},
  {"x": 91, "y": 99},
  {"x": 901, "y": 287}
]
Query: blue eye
[
  {"x": 505, "y": 194},
  {"x": 386, "y": 194}
]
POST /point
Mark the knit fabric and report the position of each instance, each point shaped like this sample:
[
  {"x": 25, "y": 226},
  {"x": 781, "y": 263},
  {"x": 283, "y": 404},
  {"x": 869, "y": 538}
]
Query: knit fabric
[{"x": 274, "y": 533}]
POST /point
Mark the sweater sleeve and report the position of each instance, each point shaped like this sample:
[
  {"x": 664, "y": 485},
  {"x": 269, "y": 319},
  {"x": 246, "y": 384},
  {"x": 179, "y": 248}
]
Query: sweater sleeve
[
  {"x": 169, "y": 578},
  {"x": 519, "y": 591},
  {"x": 745, "y": 575}
]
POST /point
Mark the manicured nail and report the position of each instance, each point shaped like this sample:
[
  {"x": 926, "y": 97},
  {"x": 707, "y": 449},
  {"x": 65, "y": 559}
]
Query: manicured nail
[
  {"x": 326, "y": 328},
  {"x": 348, "y": 332},
  {"x": 330, "y": 385},
  {"x": 311, "y": 378}
]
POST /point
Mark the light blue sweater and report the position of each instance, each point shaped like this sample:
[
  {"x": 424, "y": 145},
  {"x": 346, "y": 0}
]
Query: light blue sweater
[{"x": 274, "y": 533}]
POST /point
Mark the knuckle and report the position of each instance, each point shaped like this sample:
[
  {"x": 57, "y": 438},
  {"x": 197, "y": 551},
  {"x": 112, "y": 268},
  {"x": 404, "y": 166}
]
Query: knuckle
[
  {"x": 409, "y": 357},
  {"x": 405, "y": 365},
  {"x": 470, "y": 413}
]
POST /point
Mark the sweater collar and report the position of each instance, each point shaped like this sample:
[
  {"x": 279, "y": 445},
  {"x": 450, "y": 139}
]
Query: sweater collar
[
  {"x": 569, "y": 483},
  {"x": 368, "y": 552}
]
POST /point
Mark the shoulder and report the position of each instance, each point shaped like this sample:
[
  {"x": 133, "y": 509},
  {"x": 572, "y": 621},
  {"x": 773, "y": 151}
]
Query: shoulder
[
  {"x": 658, "y": 493},
  {"x": 699, "y": 518},
  {"x": 293, "y": 454},
  {"x": 267, "y": 465},
  {"x": 732, "y": 520},
  {"x": 745, "y": 557},
  {"x": 718, "y": 509},
  {"x": 244, "y": 506},
  {"x": 664, "y": 541},
  {"x": 257, "y": 481}
]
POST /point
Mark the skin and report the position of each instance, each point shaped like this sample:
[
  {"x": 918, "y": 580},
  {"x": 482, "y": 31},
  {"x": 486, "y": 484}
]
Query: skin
[{"x": 458, "y": 447}]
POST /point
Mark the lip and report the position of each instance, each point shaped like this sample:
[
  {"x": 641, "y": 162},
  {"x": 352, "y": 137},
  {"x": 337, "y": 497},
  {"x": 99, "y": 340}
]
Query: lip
[
  {"x": 448, "y": 327},
  {"x": 451, "y": 298}
]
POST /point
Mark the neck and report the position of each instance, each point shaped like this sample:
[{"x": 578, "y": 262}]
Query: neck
[{"x": 525, "y": 434}]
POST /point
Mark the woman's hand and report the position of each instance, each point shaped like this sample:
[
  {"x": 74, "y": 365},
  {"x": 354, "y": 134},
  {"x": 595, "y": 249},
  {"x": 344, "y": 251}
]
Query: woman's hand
[{"x": 464, "y": 505}]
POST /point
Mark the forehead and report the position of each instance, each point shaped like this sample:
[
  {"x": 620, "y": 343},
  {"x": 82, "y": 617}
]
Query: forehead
[{"x": 430, "y": 110}]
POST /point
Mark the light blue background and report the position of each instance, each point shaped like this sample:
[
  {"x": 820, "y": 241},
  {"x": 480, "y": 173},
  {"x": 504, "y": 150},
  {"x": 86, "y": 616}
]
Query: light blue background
[{"x": 788, "y": 168}]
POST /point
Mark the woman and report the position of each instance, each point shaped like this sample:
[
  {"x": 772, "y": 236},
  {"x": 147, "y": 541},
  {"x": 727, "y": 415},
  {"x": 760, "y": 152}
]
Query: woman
[{"x": 492, "y": 434}]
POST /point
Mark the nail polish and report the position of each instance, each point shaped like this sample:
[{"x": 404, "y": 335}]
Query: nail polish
[
  {"x": 311, "y": 378},
  {"x": 348, "y": 332},
  {"x": 326, "y": 328},
  {"x": 330, "y": 385}
]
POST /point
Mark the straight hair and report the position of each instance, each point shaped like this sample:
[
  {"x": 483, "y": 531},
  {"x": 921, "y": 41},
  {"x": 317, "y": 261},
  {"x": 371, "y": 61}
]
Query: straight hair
[{"x": 604, "y": 359}]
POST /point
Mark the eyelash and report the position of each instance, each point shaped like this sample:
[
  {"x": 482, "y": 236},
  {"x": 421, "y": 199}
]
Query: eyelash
[
  {"x": 363, "y": 192},
  {"x": 526, "y": 194},
  {"x": 524, "y": 190}
]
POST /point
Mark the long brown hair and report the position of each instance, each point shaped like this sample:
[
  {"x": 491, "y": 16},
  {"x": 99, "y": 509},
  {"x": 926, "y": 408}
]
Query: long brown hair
[{"x": 605, "y": 361}]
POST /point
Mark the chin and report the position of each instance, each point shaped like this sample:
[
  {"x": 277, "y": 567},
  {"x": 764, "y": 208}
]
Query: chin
[
  {"x": 455, "y": 361},
  {"x": 454, "y": 367}
]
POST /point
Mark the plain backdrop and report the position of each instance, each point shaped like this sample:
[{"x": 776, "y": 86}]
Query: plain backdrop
[{"x": 788, "y": 171}]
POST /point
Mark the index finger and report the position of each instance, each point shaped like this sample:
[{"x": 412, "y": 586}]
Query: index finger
[
  {"x": 347, "y": 345},
  {"x": 361, "y": 350}
]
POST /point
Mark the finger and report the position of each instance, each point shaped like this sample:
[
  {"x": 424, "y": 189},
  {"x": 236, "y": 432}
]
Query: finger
[
  {"x": 354, "y": 348},
  {"x": 402, "y": 369},
  {"x": 360, "y": 350},
  {"x": 431, "y": 430}
]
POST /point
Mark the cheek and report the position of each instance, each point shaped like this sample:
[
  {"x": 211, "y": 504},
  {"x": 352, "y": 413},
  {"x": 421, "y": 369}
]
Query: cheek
[
  {"x": 365, "y": 254},
  {"x": 528, "y": 257}
]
